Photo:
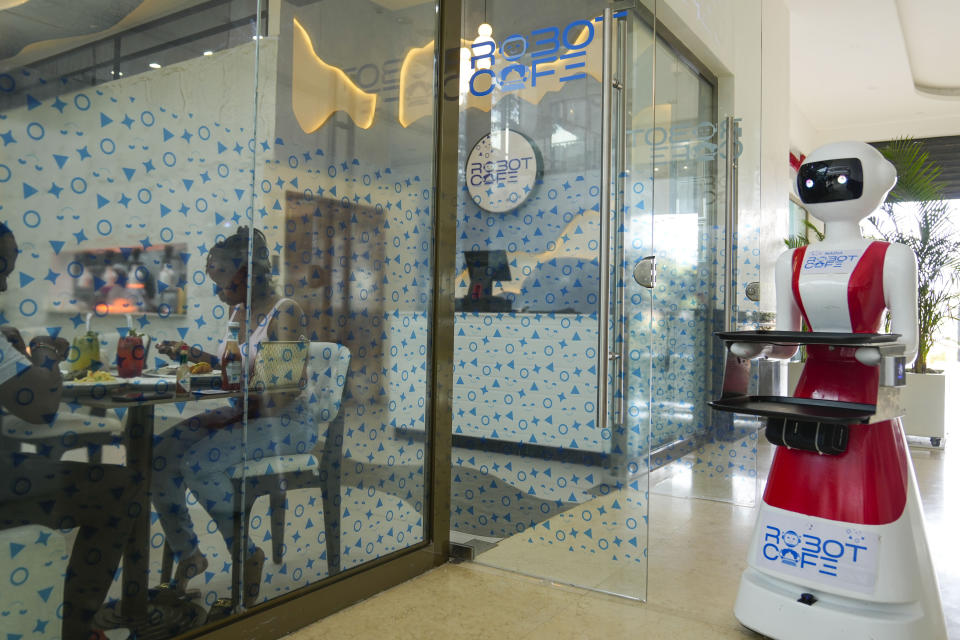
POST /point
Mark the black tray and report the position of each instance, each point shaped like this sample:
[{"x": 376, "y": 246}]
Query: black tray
[
  {"x": 805, "y": 409},
  {"x": 808, "y": 337}
]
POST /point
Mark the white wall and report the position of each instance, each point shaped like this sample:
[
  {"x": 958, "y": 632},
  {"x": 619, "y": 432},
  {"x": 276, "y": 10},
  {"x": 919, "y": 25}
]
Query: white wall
[
  {"x": 776, "y": 182},
  {"x": 803, "y": 135},
  {"x": 877, "y": 131},
  {"x": 706, "y": 27}
]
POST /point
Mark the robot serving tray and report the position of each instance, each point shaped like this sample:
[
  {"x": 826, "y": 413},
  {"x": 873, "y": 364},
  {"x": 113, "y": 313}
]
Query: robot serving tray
[
  {"x": 809, "y": 337},
  {"x": 782, "y": 411}
]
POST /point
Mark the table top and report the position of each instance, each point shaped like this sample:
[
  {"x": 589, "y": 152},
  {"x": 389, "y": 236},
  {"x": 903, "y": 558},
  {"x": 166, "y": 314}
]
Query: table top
[
  {"x": 132, "y": 396},
  {"x": 151, "y": 390}
]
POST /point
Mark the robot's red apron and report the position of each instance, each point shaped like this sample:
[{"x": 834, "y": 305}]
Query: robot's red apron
[{"x": 868, "y": 483}]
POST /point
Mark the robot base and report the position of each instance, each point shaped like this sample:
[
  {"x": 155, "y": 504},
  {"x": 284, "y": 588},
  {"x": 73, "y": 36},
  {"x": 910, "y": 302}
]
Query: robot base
[{"x": 773, "y": 607}]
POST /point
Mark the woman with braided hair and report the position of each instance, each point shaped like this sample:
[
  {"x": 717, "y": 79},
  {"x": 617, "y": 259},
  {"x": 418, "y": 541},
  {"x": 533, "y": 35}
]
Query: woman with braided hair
[{"x": 240, "y": 269}]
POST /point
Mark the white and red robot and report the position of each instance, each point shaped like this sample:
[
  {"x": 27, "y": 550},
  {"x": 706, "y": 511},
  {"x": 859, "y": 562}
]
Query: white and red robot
[{"x": 839, "y": 549}]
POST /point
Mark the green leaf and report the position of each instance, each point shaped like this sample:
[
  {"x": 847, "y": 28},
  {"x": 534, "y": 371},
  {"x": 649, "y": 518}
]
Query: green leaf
[{"x": 936, "y": 248}]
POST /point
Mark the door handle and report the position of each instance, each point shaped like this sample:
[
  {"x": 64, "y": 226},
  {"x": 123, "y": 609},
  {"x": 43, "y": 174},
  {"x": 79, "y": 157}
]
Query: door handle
[
  {"x": 603, "y": 315},
  {"x": 645, "y": 272},
  {"x": 732, "y": 223}
]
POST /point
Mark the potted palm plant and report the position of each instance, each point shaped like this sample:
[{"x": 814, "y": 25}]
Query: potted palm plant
[{"x": 917, "y": 215}]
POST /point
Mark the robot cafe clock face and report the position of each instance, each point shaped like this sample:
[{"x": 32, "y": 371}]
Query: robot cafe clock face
[{"x": 502, "y": 169}]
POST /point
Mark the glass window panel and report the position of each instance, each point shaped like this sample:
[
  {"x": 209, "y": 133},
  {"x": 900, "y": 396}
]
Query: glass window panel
[
  {"x": 344, "y": 198},
  {"x": 146, "y": 209}
]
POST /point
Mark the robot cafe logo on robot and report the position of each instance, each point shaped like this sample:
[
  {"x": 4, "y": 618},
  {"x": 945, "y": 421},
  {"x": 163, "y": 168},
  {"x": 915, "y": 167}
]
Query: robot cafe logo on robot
[
  {"x": 822, "y": 260},
  {"x": 846, "y": 557}
]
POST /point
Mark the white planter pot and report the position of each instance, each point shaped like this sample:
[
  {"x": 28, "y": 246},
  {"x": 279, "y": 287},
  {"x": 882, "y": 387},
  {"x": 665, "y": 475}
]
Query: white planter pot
[{"x": 924, "y": 401}]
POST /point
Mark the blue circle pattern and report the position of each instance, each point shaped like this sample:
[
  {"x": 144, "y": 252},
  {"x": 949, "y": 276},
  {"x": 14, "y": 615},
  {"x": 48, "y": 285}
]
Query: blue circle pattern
[{"x": 162, "y": 177}]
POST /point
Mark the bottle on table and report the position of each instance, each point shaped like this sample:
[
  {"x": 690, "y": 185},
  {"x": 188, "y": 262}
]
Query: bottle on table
[
  {"x": 183, "y": 372},
  {"x": 231, "y": 368}
]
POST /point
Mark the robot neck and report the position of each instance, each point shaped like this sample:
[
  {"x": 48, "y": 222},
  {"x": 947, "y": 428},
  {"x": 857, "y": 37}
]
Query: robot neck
[{"x": 842, "y": 231}]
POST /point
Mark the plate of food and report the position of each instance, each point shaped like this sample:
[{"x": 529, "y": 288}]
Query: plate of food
[
  {"x": 162, "y": 372},
  {"x": 94, "y": 383},
  {"x": 203, "y": 371},
  {"x": 196, "y": 369},
  {"x": 202, "y": 375}
]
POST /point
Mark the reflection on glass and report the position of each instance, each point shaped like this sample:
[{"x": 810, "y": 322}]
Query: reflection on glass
[
  {"x": 162, "y": 200},
  {"x": 122, "y": 280}
]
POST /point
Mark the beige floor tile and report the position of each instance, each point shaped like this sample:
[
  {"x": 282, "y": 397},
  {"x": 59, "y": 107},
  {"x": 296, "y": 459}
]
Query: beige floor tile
[
  {"x": 597, "y": 617},
  {"x": 462, "y": 601},
  {"x": 598, "y": 545},
  {"x": 697, "y": 550}
]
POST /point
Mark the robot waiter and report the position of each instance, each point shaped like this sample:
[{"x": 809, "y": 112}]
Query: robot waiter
[{"x": 839, "y": 549}]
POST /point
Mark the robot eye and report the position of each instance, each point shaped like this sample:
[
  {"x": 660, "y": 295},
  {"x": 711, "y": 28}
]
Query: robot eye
[{"x": 830, "y": 180}]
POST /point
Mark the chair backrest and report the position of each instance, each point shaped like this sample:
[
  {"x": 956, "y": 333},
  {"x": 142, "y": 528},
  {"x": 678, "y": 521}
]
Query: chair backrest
[
  {"x": 279, "y": 364},
  {"x": 329, "y": 363}
]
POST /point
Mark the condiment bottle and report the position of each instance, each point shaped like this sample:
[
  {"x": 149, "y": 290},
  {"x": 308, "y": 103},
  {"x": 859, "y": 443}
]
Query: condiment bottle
[
  {"x": 183, "y": 373},
  {"x": 231, "y": 368}
]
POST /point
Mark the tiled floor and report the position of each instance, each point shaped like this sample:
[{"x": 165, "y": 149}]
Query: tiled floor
[{"x": 697, "y": 549}]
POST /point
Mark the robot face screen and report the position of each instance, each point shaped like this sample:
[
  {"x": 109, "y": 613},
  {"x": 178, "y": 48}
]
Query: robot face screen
[{"x": 830, "y": 180}]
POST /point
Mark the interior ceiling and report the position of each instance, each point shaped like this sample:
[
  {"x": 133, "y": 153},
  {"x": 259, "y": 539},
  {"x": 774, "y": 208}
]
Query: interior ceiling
[
  {"x": 860, "y": 62},
  {"x": 853, "y": 62},
  {"x": 930, "y": 34},
  {"x": 397, "y": 5},
  {"x": 38, "y": 20},
  {"x": 31, "y": 30}
]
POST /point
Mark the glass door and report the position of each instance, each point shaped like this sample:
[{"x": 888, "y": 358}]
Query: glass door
[
  {"x": 552, "y": 349},
  {"x": 706, "y": 146}
]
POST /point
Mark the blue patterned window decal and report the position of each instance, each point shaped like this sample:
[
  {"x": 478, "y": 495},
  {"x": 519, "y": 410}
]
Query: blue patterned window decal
[{"x": 150, "y": 210}]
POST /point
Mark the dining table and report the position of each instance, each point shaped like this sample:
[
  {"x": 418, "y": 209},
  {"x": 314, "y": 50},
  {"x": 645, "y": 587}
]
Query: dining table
[{"x": 135, "y": 400}]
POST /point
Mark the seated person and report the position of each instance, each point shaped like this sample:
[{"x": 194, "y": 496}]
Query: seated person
[
  {"x": 59, "y": 495},
  {"x": 195, "y": 448}
]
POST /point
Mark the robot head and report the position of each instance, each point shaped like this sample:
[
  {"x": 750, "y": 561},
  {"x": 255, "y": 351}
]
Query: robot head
[{"x": 845, "y": 181}]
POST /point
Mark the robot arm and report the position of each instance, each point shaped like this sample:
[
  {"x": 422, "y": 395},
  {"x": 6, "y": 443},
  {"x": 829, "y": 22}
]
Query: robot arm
[
  {"x": 788, "y": 312},
  {"x": 788, "y": 315},
  {"x": 900, "y": 296},
  {"x": 900, "y": 293}
]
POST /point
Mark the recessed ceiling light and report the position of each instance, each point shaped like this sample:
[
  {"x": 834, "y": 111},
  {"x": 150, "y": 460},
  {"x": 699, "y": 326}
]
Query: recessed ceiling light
[
  {"x": 154, "y": 65},
  {"x": 208, "y": 53}
]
